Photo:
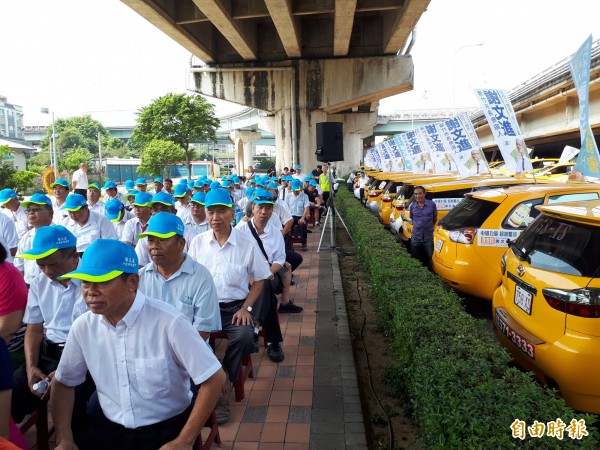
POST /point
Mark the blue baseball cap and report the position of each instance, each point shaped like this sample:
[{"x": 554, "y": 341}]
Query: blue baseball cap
[
  {"x": 110, "y": 185},
  {"x": 142, "y": 199},
  {"x": 297, "y": 185},
  {"x": 164, "y": 198},
  {"x": 236, "y": 180},
  {"x": 226, "y": 184},
  {"x": 133, "y": 192},
  {"x": 199, "y": 197},
  {"x": 105, "y": 260},
  {"x": 158, "y": 180},
  {"x": 206, "y": 182},
  {"x": 263, "y": 197},
  {"x": 272, "y": 185},
  {"x": 129, "y": 185},
  {"x": 49, "y": 239},
  {"x": 38, "y": 199},
  {"x": 218, "y": 196},
  {"x": 183, "y": 181},
  {"x": 199, "y": 183},
  {"x": 163, "y": 225},
  {"x": 190, "y": 185},
  {"x": 6, "y": 195},
  {"x": 94, "y": 185},
  {"x": 61, "y": 182},
  {"x": 113, "y": 209},
  {"x": 313, "y": 183},
  {"x": 180, "y": 190},
  {"x": 298, "y": 166},
  {"x": 250, "y": 192},
  {"x": 260, "y": 181},
  {"x": 140, "y": 182},
  {"x": 308, "y": 178},
  {"x": 215, "y": 185},
  {"x": 74, "y": 202}
]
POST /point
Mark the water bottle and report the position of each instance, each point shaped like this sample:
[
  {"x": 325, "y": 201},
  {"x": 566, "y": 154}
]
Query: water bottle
[{"x": 41, "y": 387}]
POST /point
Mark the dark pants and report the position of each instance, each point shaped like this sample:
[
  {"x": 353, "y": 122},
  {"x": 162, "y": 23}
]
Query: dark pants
[
  {"x": 24, "y": 402},
  {"x": 295, "y": 259},
  {"x": 240, "y": 339},
  {"x": 265, "y": 309},
  {"x": 104, "y": 434},
  {"x": 81, "y": 191},
  {"x": 302, "y": 228},
  {"x": 422, "y": 249}
]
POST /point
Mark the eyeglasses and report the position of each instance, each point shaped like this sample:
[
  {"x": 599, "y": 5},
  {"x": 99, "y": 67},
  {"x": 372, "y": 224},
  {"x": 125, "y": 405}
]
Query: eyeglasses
[{"x": 34, "y": 210}]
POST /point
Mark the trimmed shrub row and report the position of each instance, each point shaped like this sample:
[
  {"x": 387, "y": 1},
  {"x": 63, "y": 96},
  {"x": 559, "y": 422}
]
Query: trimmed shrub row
[{"x": 454, "y": 375}]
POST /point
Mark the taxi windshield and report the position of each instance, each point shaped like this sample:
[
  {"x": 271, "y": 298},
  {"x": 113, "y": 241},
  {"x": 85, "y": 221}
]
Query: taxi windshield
[{"x": 470, "y": 212}]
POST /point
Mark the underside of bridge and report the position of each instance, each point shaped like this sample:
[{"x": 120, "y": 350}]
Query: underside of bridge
[{"x": 300, "y": 61}]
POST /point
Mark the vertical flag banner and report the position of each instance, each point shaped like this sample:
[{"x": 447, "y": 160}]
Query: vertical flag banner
[
  {"x": 397, "y": 161},
  {"x": 588, "y": 161},
  {"x": 438, "y": 150},
  {"x": 412, "y": 145},
  {"x": 370, "y": 159},
  {"x": 463, "y": 146},
  {"x": 405, "y": 164},
  {"x": 383, "y": 157},
  {"x": 376, "y": 159},
  {"x": 388, "y": 163},
  {"x": 503, "y": 123}
]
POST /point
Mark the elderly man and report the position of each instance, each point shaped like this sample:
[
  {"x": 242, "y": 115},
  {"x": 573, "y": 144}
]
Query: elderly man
[
  {"x": 61, "y": 190},
  {"x": 182, "y": 204},
  {"x": 282, "y": 216},
  {"x": 141, "y": 185},
  {"x": 143, "y": 210},
  {"x": 299, "y": 205},
  {"x": 93, "y": 197},
  {"x": 152, "y": 352},
  {"x": 197, "y": 222},
  {"x": 11, "y": 206},
  {"x": 175, "y": 278},
  {"x": 52, "y": 306},
  {"x": 110, "y": 187},
  {"x": 87, "y": 226},
  {"x": 423, "y": 213},
  {"x": 80, "y": 179},
  {"x": 39, "y": 214},
  {"x": 118, "y": 215},
  {"x": 233, "y": 259}
]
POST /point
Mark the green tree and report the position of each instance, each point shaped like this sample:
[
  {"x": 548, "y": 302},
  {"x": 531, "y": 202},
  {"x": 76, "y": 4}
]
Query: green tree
[
  {"x": 159, "y": 154},
  {"x": 39, "y": 162},
  {"x": 265, "y": 163},
  {"x": 75, "y": 132},
  {"x": 73, "y": 157},
  {"x": 179, "y": 118},
  {"x": 11, "y": 178}
]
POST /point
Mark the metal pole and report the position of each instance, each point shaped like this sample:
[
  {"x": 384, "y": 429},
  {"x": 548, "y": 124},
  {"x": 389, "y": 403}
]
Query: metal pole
[
  {"x": 100, "y": 154},
  {"x": 56, "y": 172}
]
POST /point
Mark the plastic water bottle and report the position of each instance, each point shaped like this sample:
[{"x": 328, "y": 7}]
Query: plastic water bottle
[{"x": 41, "y": 386}]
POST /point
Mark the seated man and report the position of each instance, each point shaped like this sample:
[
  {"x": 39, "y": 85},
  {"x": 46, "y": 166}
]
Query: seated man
[
  {"x": 141, "y": 352},
  {"x": 233, "y": 258},
  {"x": 299, "y": 205}
]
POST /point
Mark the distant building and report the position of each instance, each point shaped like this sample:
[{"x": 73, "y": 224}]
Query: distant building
[{"x": 11, "y": 120}]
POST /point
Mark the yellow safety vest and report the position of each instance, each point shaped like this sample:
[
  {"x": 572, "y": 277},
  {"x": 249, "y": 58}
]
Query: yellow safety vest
[{"x": 324, "y": 182}]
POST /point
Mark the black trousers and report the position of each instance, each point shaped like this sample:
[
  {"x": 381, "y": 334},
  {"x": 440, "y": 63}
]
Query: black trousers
[
  {"x": 265, "y": 310},
  {"x": 295, "y": 259},
  {"x": 81, "y": 191},
  {"x": 302, "y": 228}
]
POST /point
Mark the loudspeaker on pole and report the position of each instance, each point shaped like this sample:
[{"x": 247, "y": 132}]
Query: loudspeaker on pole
[{"x": 330, "y": 142}]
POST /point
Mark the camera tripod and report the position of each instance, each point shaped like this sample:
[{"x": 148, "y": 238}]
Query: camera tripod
[{"x": 330, "y": 214}]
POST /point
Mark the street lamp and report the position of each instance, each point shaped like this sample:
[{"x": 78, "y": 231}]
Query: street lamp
[
  {"x": 454, "y": 74},
  {"x": 53, "y": 160}
]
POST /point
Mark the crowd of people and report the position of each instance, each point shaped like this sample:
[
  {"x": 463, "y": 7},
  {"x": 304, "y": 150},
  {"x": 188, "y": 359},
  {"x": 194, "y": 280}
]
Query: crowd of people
[{"x": 108, "y": 300}]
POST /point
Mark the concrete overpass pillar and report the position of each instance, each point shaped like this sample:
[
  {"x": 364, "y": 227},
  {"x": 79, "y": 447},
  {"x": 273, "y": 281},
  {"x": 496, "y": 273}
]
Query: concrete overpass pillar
[
  {"x": 300, "y": 93},
  {"x": 244, "y": 155}
]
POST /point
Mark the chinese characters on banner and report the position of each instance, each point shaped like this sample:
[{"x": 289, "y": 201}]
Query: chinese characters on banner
[
  {"x": 417, "y": 156},
  {"x": 399, "y": 164},
  {"x": 500, "y": 115},
  {"x": 588, "y": 161},
  {"x": 370, "y": 160},
  {"x": 463, "y": 146},
  {"x": 386, "y": 158},
  {"x": 441, "y": 156}
]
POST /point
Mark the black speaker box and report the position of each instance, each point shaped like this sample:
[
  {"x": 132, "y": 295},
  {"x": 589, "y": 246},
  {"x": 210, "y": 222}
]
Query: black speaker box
[{"x": 330, "y": 142}]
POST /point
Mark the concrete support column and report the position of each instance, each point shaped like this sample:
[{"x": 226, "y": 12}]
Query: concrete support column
[{"x": 243, "y": 148}]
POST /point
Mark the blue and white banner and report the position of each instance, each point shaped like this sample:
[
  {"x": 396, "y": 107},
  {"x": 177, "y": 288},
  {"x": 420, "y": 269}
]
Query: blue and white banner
[
  {"x": 503, "y": 123},
  {"x": 397, "y": 160},
  {"x": 414, "y": 150},
  {"x": 404, "y": 162},
  {"x": 464, "y": 151},
  {"x": 370, "y": 159},
  {"x": 384, "y": 157},
  {"x": 588, "y": 161},
  {"x": 438, "y": 150}
]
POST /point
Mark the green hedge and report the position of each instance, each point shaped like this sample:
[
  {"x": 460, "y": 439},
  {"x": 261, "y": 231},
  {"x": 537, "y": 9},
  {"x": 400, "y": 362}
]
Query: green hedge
[{"x": 453, "y": 373}]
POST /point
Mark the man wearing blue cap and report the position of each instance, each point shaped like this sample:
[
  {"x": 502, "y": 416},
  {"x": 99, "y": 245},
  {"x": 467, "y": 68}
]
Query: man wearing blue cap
[
  {"x": 300, "y": 207},
  {"x": 52, "y": 306},
  {"x": 110, "y": 187},
  {"x": 61, "y": 190},
  {"x": 143, "y": 210},
  {"x": 11, "y": 206},
  {"x": 129, "y": 185},
  {"x": 350, "y": 180},
  {"x": 87, "y": 226},
  {"x": 197, "y": 222},
  {"x": 93, "y": 198},
  {"x": 141, "y": 185},
  {"x": 118, "y": 215},
  {"x": 175, "y": 278},
  {"x": 8, "y": 237},
  {"x": 233, "y": 258},
  {"x": 141, "y": 352},
  {"x": 80, "y": 179},
  {"x": 169, "y": 186},
  {"x": 282, "y": 216},
  {"x": 158, "y": 184},
  {"x": 182, "y": 203},
  {"x": 39, "y": 214},
  {"x": 298, "y": 175}
]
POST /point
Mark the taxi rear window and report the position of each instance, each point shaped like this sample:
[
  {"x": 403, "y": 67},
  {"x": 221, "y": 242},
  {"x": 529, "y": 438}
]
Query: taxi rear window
[
  {"x": 470, "y": 212},
  {"x": 560, "y": 246}
]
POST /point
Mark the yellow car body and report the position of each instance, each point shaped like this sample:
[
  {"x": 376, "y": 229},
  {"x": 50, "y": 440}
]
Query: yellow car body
[
  {"x": 471, "y": 239},
  {"x": 547, "y": 309}
]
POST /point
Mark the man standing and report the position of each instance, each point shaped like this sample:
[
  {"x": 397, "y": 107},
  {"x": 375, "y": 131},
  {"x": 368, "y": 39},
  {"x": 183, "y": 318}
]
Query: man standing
[
  {"x": 300, "y": 207},
  {"x": 298, "y": 175},
  {"x": 61, "y": 191},
  {"x": 118, "y": 215},
  {"x": 152, "y": 351},
  {"x": 87, "y": 226},
  {"x": 233, "y": 258},
  {"x": 176, "y": 278},
  {"x": 93, "y": 197},
  {"x": 52, "y": 306},
  {"x": 11, "y": 206},
  {"x": 80, "y": 179},
  {"x": 325, "y": 184},
  {"x": 423, "y": 213}
]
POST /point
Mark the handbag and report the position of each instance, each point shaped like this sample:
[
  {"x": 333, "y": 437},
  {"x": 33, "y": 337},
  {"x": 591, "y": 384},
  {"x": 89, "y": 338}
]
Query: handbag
[{"x": 276, "y": 282}]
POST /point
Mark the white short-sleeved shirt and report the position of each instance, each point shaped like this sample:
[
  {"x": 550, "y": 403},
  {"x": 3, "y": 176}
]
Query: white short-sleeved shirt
[
  {"x": 19, "y": 218},
  {"x": 29, "y": 267},
  {"x": 119, "y": 197},
  {"x": 297, "y": 204},
  {"x": 281, "y": 214},
  {"x": 97, "y": 227},
  {"x": 8, "y": 235},
  {"x": 81, "y": 178},
  {"x": 231, "y": 265},
  {"x": 98, "y": 208},
  {"x": 141, "y": 248},
  {"x": 194, "y": 228},
  {"x": 54, "y": 305},
  {"x": 152, "y": 353},
  {"x": 120, "y": 225},
  {"x": 132, "y": 228},
  {"x": 60, "y": 216},
  {"x": 272, "y": 240},
  {"x": 191, "y": 290},
  {"x": 183, "y": 212}
]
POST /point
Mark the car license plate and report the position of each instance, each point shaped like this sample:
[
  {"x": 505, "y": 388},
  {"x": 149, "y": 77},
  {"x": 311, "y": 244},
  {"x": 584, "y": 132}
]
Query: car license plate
[
  {"x": 523, "y": 299},
  {"x": 522, "y": 344},
  {"x": 438, "y": 245}
]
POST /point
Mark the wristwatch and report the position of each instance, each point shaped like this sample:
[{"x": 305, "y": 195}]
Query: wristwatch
[{"x": 246, "y": 307}]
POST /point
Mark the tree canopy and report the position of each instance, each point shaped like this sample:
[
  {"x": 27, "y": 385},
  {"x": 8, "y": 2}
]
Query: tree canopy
[
  {"x": 11, "y": 178},
  {"x": 179, "y": 118},
  {"x": 76, "y": 132},
  {"x": 159, "y": 154}
]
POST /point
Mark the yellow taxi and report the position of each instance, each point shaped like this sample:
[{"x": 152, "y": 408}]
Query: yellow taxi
[
  {"x": 470, "y": 240},
  {"x": 547, "y": 309},
  {"x": 557, "y": 172},
  {"x": 383, "y": 181}
]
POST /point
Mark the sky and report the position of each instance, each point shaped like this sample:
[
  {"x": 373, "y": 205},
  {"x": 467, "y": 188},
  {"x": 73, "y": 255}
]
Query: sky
[{"x": 99, "y": 57}]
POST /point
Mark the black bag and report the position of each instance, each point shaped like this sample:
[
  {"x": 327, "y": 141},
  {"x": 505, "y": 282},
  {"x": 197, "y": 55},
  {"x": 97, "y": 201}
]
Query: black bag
[{"x": 276, "y": 282}]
